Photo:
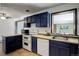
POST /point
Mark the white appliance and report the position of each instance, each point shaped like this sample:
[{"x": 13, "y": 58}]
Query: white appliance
[
  {"x": 43, "y": 47},
  {"x": 27, "y": 42}
]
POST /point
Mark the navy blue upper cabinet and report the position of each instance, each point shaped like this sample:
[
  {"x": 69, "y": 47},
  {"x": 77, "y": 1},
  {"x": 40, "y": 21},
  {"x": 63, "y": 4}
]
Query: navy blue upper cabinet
[
  {"x": 42, "y": 19},
  {"x": 29, "y": 19},
  {"x": 38, "y": 18},
  {"x": 33, "y": 19}
]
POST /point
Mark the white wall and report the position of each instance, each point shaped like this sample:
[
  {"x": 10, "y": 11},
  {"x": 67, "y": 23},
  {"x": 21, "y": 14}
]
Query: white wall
[
  {"x": 65, "y": 7},
  {"x": 6, "y": 28}
]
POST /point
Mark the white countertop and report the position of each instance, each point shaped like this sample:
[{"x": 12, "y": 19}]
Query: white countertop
[
  {"x": 43, "y": 36},
  {"x": 70, "y": 40},
  {"x": 11, "y": 35}
]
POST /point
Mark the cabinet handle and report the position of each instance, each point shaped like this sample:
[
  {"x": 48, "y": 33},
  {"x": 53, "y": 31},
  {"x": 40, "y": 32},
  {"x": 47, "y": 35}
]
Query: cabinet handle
[
  {"x": 25, "y": 37},
  {"x": 26, "y": 43}
]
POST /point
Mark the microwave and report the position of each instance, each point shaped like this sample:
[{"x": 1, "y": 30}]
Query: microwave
[{"x": 26, "y": 32}]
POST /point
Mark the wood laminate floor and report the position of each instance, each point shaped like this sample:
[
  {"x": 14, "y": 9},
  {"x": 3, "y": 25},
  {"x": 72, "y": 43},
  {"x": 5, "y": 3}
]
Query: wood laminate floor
[{"x": 19, "y": 52}]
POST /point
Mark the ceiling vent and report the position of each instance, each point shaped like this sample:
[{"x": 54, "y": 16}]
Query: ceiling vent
[{"x": 27, "y": 10}]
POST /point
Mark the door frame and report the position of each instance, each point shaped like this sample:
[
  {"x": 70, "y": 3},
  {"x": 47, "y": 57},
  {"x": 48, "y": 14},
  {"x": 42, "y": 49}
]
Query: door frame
[{"x": 16, "y": 22}]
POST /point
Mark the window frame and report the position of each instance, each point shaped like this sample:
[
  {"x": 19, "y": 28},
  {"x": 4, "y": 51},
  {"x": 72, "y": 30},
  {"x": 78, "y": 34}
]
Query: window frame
[{"x": 75, "y": 18}]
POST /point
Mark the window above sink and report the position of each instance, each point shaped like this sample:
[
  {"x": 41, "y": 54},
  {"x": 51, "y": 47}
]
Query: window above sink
[{"x": 65, "y": 22}]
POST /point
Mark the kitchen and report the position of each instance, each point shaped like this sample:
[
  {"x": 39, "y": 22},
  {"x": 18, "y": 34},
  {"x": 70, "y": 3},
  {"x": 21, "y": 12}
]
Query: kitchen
[{"x": 51, "y": 30}]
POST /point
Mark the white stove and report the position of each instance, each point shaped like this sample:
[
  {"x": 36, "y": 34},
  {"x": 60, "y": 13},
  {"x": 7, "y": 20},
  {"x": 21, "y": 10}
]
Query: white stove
[{"x": 26, "y": 42}]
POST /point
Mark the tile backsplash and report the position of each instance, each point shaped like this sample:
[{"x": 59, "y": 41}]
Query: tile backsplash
[{"x": 36, "y": 30}]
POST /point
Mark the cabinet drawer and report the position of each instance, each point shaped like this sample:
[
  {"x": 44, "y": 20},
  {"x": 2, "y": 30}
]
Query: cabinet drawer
[
  {"x": 25, "y": 40},
  {"x": 25, "y": 37}
]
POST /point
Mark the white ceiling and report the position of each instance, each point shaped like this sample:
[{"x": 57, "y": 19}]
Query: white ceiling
[{"x": 18, "y": 9}]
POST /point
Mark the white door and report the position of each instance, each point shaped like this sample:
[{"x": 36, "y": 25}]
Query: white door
[{"x": 43, "y": 47}]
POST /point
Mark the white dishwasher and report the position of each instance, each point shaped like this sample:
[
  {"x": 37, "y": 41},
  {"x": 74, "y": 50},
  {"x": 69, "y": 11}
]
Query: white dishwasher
[
  {"x": 27, "y": 42},
  {"x": 43, "y": 47}
]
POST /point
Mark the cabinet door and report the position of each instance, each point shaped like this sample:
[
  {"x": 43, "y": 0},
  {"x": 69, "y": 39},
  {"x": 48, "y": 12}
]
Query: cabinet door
[
  {"x": 13, "y": 43},
  {"x": 33, "y": 19},
  {"x": 58, "y": 48},
  {"x": 29, "y": 19},
  {"x": 38, "y": 18},
  {"x": 64, "y": 51},
  {"x": 27, "y": 22},
  {"x": 58, "y": 51},
  {"x": 44, "y": 18},
  {"x": 34, "y": 44},
  {"x": 43, "y": 47},
  {"x": 54, "y": 51},
  {"x": 9, "y": 47},
  {"x": 18, "y": 40},
  {"x": 74, "y": 49}
]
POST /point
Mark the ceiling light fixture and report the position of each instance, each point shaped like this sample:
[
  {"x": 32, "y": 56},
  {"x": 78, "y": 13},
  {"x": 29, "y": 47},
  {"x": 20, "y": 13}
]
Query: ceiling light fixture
[
  {"x": 3, "y": 15},
  {"x": 27, "y": 10}
]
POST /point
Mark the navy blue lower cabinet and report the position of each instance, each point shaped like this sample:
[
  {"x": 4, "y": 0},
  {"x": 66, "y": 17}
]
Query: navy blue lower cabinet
[
  {"x": 58, "y": 48},
  {"x": 12, "y": 43},
  {"x": 34, "y": 44},
  {"x": 64, "y": 51},
  {"x": 74, "y": 49},
  {"x": 53, "y": 51}
]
